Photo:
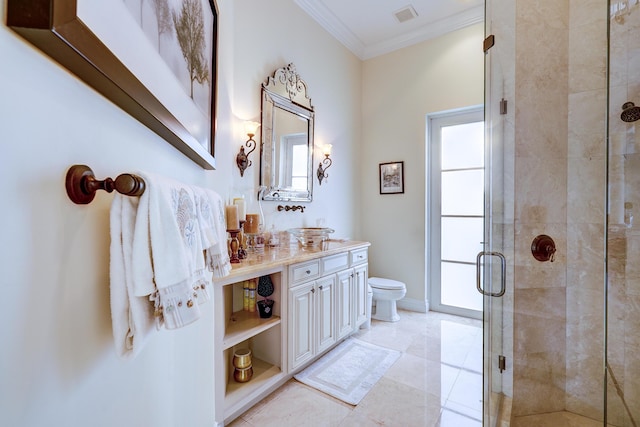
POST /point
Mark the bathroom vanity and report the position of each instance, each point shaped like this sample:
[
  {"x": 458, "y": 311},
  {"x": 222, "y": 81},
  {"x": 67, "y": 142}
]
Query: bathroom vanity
[{"x": 320, "y": 298}]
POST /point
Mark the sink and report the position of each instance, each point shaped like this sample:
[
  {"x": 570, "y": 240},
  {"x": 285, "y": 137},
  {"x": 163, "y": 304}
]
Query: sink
[{"x": 311, "y": 236}]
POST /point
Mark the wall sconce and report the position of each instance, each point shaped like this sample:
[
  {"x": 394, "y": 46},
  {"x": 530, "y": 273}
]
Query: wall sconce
[
  {"x": 322, "y": 171},
  {"x": 242, "y": 159}
]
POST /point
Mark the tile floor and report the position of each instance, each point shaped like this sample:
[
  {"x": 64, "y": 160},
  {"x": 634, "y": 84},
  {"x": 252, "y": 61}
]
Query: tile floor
[
  {"x": 437, "y": 382},
  {"x": 555, "y": 419}
]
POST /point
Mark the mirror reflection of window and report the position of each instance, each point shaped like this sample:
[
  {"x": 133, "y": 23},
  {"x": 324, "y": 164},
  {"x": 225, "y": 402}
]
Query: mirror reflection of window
[
  {"x": 291, "y": 167},
  {"x": 293, "y": 161}
]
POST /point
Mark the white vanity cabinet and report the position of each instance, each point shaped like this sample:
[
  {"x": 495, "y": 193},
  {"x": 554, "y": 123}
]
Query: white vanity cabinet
[
  {"x": 320, "y": 298},
  {"x": 311, "y": 319},
  {"x": 327, "y": 309}
]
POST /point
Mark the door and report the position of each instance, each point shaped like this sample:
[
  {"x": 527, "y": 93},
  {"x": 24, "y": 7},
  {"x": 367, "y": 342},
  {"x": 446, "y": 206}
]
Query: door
[
  {"x": 361, "y": 290},
  {"x": 494, "y": 263},
  {"x": 325, "y": 307},
  {"x": 345, "y": 303},
  {"x": 301, "y": 324},
  {"x": 456, "y": 209}
]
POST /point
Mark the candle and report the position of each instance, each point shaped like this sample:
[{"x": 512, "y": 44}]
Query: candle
[
  {"x": 253, "y": 221},
  {"x": 242, "y": 209},
  {"x": 231, "y": 213}
]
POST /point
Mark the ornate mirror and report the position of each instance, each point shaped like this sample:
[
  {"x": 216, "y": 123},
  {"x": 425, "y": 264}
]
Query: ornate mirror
[{"x": 286, "y": 151}]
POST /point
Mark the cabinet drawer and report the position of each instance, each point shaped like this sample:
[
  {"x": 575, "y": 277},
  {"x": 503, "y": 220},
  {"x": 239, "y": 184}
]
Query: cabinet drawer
[
  {"x": 305, "y": 271},
  {"x": 333, "y": 263},
  {"x": 359, "y": 256}
]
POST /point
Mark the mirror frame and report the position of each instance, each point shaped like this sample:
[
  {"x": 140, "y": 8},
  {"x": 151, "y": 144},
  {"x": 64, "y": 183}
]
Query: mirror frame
[{"x": 284, "y": 90}]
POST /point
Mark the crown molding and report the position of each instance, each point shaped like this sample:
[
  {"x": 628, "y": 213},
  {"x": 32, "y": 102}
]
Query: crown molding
[
  {"x": 337, "y": 29},
  {"x": 427, "y": 32},
  {"x": 322, "y": 15}
]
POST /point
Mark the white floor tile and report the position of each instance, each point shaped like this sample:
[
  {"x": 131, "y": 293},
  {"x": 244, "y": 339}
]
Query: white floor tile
[
  {"x": 436, "y": 382},
  {"x": 453, "y": 419}
]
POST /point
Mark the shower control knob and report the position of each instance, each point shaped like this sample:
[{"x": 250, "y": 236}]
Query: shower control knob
[{"x": 543, "y": 248}]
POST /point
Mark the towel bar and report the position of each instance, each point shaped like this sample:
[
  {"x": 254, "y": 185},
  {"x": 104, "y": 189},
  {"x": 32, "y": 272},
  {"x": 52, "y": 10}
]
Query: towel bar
[{"x": 82, "y": 184}]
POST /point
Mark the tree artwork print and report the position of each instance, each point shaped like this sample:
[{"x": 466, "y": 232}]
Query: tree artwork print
[{"x": 181, "y": 32}]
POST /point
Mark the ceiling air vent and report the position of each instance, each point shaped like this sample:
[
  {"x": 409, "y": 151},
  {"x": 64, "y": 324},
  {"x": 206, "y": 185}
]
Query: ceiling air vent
[{"x": 405, "y": 14}]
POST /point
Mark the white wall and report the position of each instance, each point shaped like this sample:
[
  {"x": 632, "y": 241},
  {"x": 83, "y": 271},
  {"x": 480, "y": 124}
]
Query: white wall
[
  {"x": 399, "y": 90},
  {"x": 57, "y": 363},
  {"x": 332, "y": 74}
]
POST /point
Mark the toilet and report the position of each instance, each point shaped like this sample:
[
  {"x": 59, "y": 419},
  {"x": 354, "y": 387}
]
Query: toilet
[{"x": 386, "y": 292}]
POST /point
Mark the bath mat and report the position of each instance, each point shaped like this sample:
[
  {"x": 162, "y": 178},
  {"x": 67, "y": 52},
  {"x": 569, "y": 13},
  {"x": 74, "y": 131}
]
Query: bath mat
[{"x": 350, "y": 370}]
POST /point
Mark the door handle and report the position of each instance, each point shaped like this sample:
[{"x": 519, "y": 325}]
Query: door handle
[{"x": 503, "y": 269}]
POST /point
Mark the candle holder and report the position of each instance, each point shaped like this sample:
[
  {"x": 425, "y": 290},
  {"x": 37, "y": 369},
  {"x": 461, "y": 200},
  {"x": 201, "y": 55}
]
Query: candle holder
[
  {"x": 234, "y": 258},
  {"x": 242, "y": 253}
]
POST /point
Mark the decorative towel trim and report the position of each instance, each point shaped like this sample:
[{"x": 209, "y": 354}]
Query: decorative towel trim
[{"x": 166, "y": 247}]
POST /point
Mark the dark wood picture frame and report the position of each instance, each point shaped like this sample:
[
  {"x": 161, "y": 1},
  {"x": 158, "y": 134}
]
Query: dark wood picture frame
[
  {"x": 391, "y": 175},
  {"x": 55, "y": 28}
]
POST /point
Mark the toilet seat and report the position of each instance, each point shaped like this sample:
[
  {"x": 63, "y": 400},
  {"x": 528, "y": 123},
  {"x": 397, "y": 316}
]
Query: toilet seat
[{"x": 381, "y": 283}]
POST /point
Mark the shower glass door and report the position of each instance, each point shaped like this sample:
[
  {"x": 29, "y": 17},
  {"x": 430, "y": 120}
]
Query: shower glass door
[
  {"x": 623, "y": 232},
  {"x": 495, "y": 262}
]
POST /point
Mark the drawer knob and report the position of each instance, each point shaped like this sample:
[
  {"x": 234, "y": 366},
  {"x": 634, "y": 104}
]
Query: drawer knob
[{"x": 308, "y": 272}]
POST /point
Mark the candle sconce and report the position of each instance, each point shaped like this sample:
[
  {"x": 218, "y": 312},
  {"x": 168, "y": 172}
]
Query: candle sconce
[
  {"x": 322, "y": 171},
  {"x": 242, "y": 159}
]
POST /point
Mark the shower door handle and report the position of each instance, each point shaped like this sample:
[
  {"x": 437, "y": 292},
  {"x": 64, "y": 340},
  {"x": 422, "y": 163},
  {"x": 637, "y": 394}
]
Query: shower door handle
[{"x": 503, "y": 269}]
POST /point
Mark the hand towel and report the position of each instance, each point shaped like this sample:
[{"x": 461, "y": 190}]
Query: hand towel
[
  {"x": 132, "y": 316},
  {"x": 213, "y": 231},
  {"x": 168, "y": 260},
  {"x": 165, "y": 248}
]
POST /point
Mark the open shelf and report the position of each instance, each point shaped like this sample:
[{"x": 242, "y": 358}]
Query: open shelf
[
  {"x": 243, "y": 325},
  {"x": 264, "y": 374}
]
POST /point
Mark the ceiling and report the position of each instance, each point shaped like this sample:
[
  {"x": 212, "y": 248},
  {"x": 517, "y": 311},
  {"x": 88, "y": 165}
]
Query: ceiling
[{"x": 370, "y": 27}]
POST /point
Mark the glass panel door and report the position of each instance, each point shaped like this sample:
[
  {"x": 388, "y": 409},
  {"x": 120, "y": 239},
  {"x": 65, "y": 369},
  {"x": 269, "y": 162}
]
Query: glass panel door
[
  {"x": 456, "y": 152},
  {"x": 495, "y": 262},
  {"x": 623, "y": 232}
]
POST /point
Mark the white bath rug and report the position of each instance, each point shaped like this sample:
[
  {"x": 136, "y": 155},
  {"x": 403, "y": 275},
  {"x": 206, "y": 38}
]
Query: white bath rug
[{"x": 350, "y": 370}]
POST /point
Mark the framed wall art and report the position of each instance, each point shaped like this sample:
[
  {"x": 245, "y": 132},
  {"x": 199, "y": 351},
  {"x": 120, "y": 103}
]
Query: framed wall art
[
  {"x": 392, "y": 178},
  {"x": 157, "y": 60}
]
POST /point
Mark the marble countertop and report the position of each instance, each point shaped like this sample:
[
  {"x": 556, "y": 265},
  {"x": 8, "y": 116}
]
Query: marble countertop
[{"x": 274, "y": 257}]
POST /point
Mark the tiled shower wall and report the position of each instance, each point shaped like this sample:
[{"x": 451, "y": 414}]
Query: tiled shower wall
[
  {"x": 586, "y": 204},
  {"x": 560, "y": 191},
  {"x": 540, "y": 205}
]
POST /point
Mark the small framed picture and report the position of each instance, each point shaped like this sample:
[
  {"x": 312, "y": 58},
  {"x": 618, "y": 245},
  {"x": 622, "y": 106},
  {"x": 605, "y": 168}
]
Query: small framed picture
[{"x": 392, "y": 178}]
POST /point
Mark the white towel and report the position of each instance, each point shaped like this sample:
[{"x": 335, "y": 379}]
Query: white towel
[
  {"x": 213, "y": 231},
  {"x": 164, "y": 263},
  {"x": 131, "y": 315}
]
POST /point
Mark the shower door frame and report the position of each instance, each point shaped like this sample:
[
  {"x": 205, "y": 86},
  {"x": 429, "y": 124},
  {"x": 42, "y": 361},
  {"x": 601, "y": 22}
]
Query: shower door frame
[{"x": 496, "y": 262}]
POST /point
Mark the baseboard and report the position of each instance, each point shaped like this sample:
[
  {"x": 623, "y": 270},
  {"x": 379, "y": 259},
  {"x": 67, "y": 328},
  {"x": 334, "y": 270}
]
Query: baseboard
[
  {"x": 421, "y": 306},
  {"x": 410, "y": 304}
]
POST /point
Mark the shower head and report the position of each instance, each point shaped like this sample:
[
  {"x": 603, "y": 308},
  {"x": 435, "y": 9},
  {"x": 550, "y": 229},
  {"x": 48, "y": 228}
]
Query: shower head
[{"x": 630, "y": 113}]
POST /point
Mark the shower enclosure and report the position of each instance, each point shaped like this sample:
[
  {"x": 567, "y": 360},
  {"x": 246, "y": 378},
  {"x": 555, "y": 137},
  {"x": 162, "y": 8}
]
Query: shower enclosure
[{"x": 562, "y": 344}]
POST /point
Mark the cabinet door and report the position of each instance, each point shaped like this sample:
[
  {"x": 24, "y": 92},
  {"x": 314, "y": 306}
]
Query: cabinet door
[
  {"x": 326, "y": 312},
  {"x": 361, "y": 289},
  {"x": 344, "y": 303},
  {"x": 301, "y": 322}
]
